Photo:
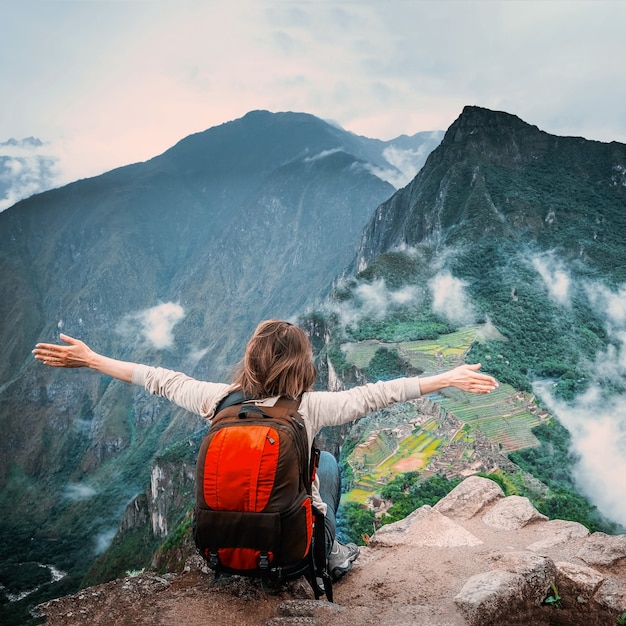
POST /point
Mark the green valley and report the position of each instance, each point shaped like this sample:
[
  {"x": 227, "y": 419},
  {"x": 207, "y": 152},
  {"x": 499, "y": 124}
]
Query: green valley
[{"x": 437, "y": 434}]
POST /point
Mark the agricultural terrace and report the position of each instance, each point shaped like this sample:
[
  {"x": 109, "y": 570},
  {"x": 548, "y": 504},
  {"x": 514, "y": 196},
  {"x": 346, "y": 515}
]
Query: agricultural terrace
[{"x": 505, "y": 416}]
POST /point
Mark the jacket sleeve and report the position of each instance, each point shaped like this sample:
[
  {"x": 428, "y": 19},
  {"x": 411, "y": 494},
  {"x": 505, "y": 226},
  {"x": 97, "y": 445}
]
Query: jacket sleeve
[
  {"x": 330, "y": 408},
  {"x": 196, "y": 396}
]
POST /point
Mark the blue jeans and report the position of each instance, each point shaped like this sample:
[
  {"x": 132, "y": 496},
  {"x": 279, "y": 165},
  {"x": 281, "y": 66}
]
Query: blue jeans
[{"x": 330, "y": 492}]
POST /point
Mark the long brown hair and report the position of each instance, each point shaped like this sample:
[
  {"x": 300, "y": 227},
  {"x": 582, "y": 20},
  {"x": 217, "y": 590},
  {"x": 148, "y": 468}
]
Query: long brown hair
[{"x": 278, "y": 362}]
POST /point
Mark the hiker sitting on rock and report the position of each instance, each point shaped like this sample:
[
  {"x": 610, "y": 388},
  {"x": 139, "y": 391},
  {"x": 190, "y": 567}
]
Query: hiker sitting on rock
[{"x": 278, "y": 361}]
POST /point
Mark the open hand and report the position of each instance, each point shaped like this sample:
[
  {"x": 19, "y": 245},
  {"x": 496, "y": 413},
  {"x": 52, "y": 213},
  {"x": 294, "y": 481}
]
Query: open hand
[
  {"x": 468, "y": 378},
  {"x": 76, "y": 354}
]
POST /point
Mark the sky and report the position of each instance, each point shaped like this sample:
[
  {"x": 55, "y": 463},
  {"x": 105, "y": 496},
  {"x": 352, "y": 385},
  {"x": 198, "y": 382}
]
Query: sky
[{"x": 105, "y": 83}]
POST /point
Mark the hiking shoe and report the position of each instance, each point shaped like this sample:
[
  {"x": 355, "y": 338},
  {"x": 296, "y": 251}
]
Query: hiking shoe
[{"x": 341, "y": 558}]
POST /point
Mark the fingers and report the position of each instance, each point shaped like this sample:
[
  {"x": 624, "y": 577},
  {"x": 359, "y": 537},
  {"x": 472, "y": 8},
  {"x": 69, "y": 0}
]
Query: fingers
[
  {"x": 54, "y": 355},
  {"x": 47, "y": 354},
  {"x": 475, "y": 381}
]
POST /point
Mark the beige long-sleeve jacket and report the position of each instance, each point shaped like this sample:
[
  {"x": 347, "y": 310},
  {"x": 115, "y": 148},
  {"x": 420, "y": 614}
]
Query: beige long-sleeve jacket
[{"x": 318, "y": 408}]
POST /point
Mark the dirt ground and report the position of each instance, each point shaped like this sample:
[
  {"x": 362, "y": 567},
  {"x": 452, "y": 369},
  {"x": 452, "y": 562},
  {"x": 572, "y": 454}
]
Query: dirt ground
[{"x": 398, "y": 585}]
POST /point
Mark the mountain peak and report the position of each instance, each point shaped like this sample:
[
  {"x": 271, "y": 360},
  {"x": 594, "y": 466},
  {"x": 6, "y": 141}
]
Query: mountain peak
[{"x": 478, "y": 120}]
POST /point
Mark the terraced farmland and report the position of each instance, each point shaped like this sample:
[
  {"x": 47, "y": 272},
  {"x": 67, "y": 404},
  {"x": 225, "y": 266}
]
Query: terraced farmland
[
  {"x": 504, "y": 416},
  {"x": 427, "y": 355},
  {"x": 413, "y": 452}
]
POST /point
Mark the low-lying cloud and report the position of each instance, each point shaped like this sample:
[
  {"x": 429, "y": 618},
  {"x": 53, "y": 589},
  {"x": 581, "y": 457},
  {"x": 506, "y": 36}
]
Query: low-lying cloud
[
  {"x": 450, "y": 299},
  {"x": 321, "y": 155},
  {"x": 155, "y": 325},
  {"x": 596, "y": 420},
  {"x": 78, "y": 491},
  {"x": 374, "y": 301},
  {"x": 597, "y": 425},
  {"x": 405, "y": 164},
  {"x": 104, "y": 540},
  {"x": 555, "y": 277}
]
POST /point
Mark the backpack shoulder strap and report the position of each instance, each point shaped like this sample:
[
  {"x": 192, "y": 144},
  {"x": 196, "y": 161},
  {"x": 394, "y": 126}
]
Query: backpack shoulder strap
[{"x": 234, "y": 397}]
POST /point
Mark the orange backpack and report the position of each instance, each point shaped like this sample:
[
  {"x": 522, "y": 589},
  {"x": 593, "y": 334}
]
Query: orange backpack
[{"x": 254, "y": 514}]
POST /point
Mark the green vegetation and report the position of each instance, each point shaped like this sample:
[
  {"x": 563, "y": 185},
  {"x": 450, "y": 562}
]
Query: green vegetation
[
  {"x": 509, "y": 485},
  {"x": 408, "y": 493},
  {"x": 527, "y": 336},
  {"x": 131, "y": 550},
  {"x": 401, "y": 326},
  {"x": 355, "y": 523},
  {"x": 554, "y": 599},
  {"x": 385, "y": 365},
  {"x": 552, "y": 463},
  {"x": 171, "y": 554}
]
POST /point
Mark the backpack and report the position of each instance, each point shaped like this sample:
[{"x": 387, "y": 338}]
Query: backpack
[{"x": 254, "y": 514}]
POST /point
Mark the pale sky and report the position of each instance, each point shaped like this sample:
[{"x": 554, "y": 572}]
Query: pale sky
[{"x": 111, "y": 82}]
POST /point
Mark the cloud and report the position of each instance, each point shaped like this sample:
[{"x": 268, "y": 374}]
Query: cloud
[
  {"x": 194, "y": 356},
  {"x": 392, "y": 176},
  {"x": 611, "y": 302},
  {"x": 597, "y": 424},
  {"x": 596, "y": 420},
  {"x": 321, "y": 155},
  {"x": 555, "y": 278},
  {"x": 450, "y": 299},
  {"x": 155, "y": 324},
  {"x": 380, "y": 69},
  {"x": 374, "y": 300},
  {"x": 78, "y": 491},
  {"x": 27, "y": 167},
  {"x": 409, "y": 162},
  {"x": 104, "y": 540}
]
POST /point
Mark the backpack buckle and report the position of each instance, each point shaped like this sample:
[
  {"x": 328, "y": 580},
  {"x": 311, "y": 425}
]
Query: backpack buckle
[
  {"x": 315, "y": 461},
  {"x": 214, "y": 561},
  {"x": 264, "y": 561}
]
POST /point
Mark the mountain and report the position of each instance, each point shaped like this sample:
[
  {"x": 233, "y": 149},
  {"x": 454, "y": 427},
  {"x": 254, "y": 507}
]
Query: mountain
[
  {"x": 247, "y": 220},
  {"x": 495, "y": 176},
  {"x": 508, "y": 223},
  {"x": 173, "y": 261},
  {"x": 513, "y": 237}
]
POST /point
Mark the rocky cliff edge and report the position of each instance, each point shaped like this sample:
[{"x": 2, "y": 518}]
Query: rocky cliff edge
[{"x": 475, "y": 558}]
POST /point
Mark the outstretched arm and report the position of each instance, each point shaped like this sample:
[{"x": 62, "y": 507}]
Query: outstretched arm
[
  {"x": 79, "y": 354},
  {"x": 464, "y": 377}
]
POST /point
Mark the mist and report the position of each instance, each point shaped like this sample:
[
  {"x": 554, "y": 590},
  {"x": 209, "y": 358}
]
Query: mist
[
  {"x": 555, "y": 277},
  {"x": 374, "y": 301},
  {"x": 78, "y": 491},
  {"x": 154, "y": 325},
  {"x": 596, "y": 419},
  {"x": 597, "y": 425},
  {"x": 450, "y": 299}
]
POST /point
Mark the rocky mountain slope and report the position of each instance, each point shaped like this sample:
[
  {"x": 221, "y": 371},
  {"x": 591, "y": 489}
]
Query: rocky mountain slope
[
  {"x": 173, "y": 262},
  {"x": 476, "y": 558},
  {"x": 496, "y": 177}
]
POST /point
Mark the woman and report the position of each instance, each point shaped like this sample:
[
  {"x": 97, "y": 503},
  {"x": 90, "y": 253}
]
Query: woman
[{"x": 278, "y": 361}]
